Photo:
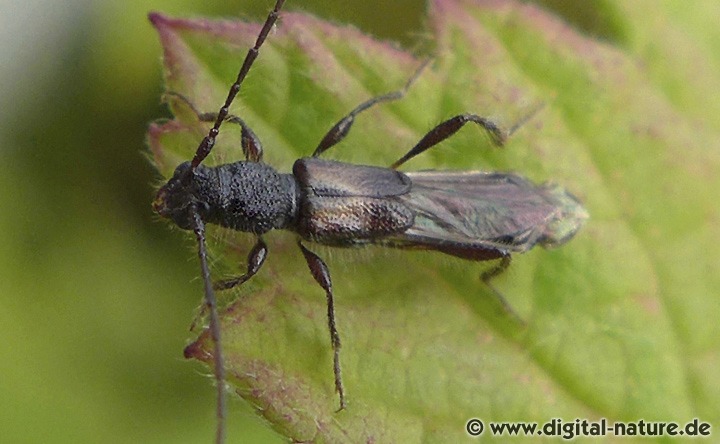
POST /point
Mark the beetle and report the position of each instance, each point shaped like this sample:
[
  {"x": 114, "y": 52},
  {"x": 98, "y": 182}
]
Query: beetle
[{"x": 474, "y": 215}]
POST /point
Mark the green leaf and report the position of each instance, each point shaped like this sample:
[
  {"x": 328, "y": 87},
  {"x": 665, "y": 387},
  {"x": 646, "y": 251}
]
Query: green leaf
[{"x": 621, "y": 322}]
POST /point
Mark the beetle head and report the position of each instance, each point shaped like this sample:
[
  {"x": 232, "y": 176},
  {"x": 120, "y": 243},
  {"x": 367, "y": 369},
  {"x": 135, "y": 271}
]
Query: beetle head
[{"x": 177, "y": 200}]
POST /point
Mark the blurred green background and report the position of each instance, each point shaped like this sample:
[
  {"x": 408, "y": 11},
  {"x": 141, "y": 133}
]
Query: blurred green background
[{"x": 98, "y": 295}]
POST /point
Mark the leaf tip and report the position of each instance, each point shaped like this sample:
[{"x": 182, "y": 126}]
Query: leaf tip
[
  {"x": 160, "y": 21},
  {"x": 155, "y": 18}
]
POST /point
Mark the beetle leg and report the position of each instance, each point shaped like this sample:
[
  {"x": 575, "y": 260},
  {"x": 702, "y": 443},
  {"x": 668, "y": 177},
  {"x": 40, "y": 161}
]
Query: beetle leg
[
  {"x": 341, "y": 129},
  {"x": 320, "y": 272},
  {"x": 251, "y": 146},
  {"x": 449, "y": 127},
  {"x": 256, "y": 257},
  {"x": 505, "y": 261},
  {"x": 488, "y": 275}
]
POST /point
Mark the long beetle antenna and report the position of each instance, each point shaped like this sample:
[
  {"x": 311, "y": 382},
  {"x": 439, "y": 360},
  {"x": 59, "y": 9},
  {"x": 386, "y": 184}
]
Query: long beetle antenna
[
  {"x": 209, "y": 141},
  {"x": 199, "y": 226}
]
